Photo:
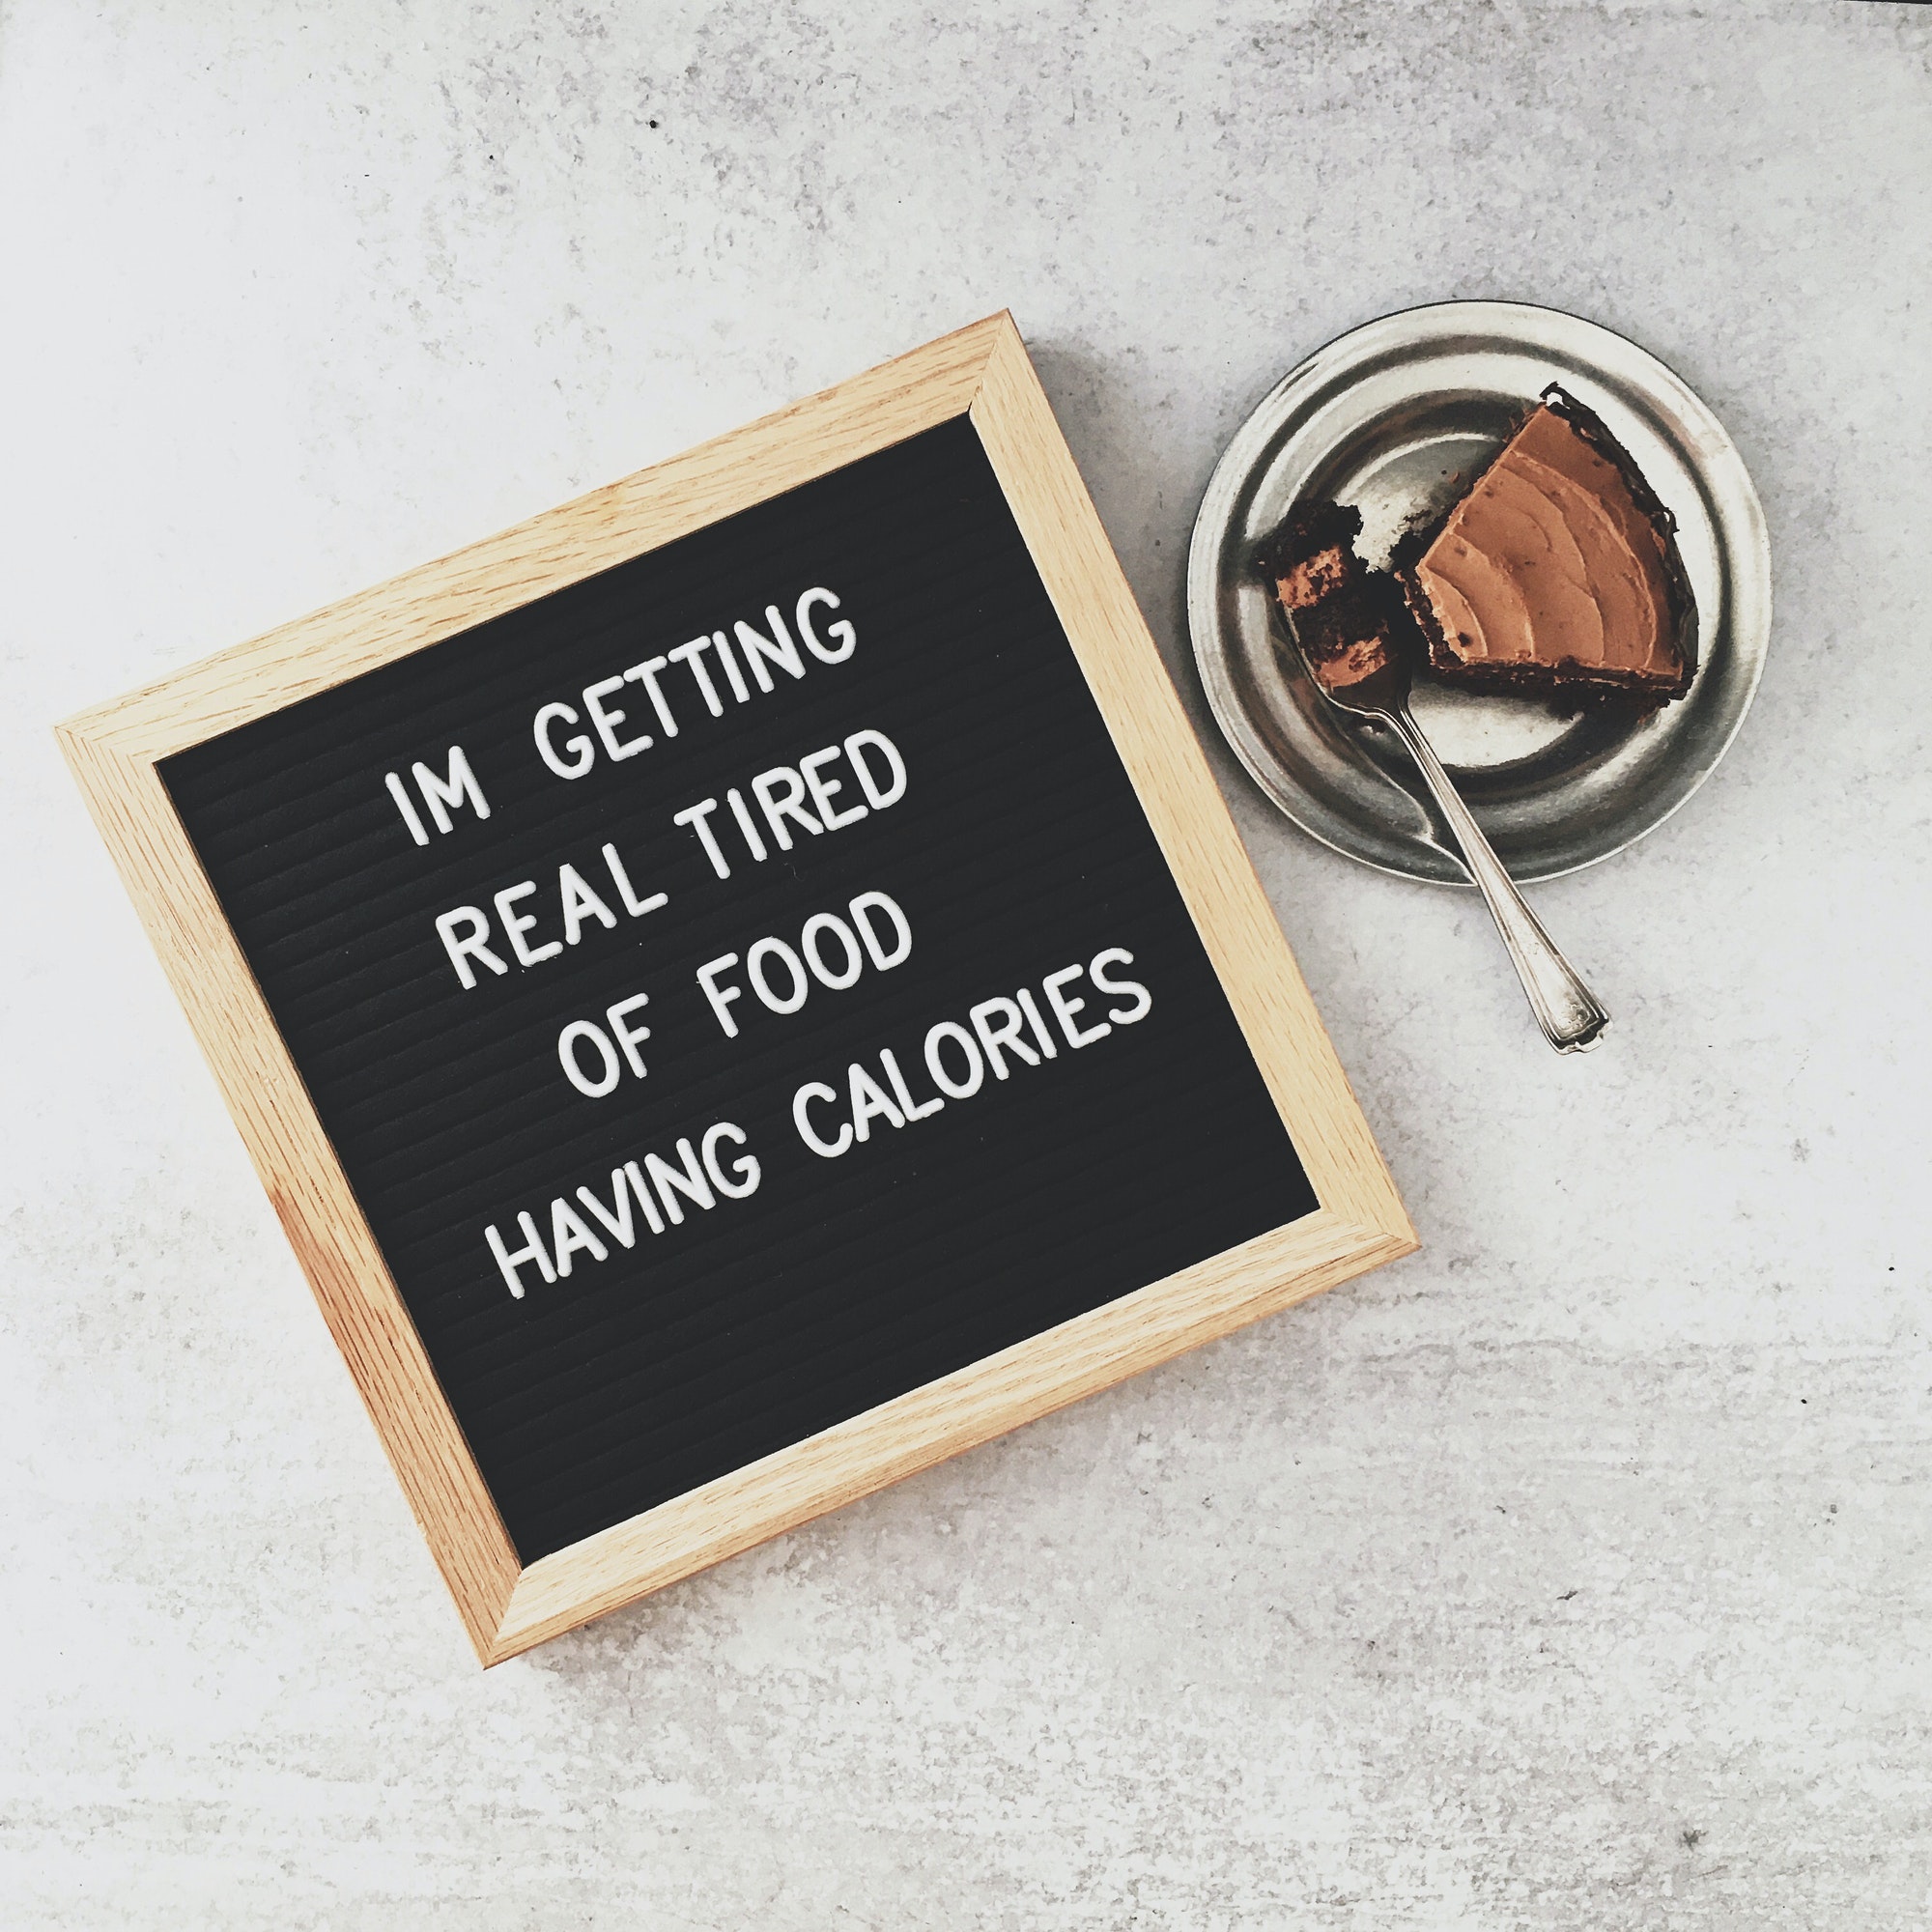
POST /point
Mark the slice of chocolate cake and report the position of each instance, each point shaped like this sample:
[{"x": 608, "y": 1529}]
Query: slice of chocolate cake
[{"x": 1559, "y": 571}]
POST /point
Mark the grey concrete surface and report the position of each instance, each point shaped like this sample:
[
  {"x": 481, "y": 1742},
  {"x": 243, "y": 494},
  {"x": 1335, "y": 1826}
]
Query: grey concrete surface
[{"x": 1572, "y": 1573}]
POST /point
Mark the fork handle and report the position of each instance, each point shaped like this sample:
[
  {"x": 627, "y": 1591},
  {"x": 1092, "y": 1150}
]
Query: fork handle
[{"x": 1571, "y": 1017}]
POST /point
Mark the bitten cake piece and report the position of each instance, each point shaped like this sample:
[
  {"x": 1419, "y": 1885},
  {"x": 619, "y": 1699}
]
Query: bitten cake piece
[
  {"x": 1357, "y": 631},
  {"x": 1311, "y": 555},
  {"x": 1348, "y": 620},
  {"x": 1559, "y": 571}
]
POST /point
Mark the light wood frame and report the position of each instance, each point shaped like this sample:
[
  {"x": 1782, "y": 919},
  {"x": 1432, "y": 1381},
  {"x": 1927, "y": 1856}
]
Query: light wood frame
[{"x": 982, "y": 371}]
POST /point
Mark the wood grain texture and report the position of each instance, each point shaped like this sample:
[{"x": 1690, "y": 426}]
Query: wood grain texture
[{"x": 983, "y": 371}]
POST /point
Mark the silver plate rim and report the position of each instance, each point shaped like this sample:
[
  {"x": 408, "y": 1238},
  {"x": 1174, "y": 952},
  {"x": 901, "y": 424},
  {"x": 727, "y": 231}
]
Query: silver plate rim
[{"x": 1567, "y": 338}]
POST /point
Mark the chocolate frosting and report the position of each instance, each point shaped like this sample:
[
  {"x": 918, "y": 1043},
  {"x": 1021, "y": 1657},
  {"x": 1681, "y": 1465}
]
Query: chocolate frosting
[{"x": 1550, "y": 561}]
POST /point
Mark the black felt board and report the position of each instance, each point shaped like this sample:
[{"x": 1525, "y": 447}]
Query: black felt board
[{"x": 1019, "y": 847}]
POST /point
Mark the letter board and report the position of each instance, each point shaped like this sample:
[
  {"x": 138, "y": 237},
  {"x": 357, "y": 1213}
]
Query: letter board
[{"x": 740, "y": 988}]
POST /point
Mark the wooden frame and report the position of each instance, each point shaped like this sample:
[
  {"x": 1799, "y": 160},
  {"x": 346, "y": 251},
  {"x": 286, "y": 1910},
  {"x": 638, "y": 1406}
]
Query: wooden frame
[{"x": 982, "y": 372}]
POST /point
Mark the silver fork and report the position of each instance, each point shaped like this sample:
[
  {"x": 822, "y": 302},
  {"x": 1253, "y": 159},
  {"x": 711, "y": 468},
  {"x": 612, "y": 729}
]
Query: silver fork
[{"x": 1572, "y": 1018}]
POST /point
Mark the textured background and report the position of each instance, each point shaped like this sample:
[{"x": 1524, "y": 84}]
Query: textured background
[{"x": 1573, "y": 1573}]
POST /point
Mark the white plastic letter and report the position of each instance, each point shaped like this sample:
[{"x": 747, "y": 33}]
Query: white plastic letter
[
  {"x": 818, "y": 924},
  {"x": 573, "y": 1069},
  {"x": 745, "y": 1168},
  {"x": 693, "y": 654},
  {"x": 516, "y": 924},
  {"x": 618, "y": 1220},
  {"x": 646, "y": 674},
  {"x": 606, "y": 719},
  {"x": 975, "y": 1077},
  {"x": 1048, "y": 1047},
  {"x": 822, "y": 789},
  {"x": 1121, "y": 988},
  {"x": 912, "y": 1110},
  {"x": 733, "y": 676},
  {"x": 1003, "y": 1039},
  {"x": 568, "y": 1232},
  {"x": 439, "y": 794},
  {"x": 406, "y": 805},
  {"x": 881, "y": 795},
  {"x": 577, "y": 900},
  {"x": 754, "y": 845},
  {"x": 842, "y": 631},
  {"x": 1064, "y": 1008},
  {"x": 687, "y": 1181},
  {"x": 870, "y": 1102},
  {"x": 721, "y": 997},
  {"x": 640, "y": 1189},
  {"x": 627, "y": 1036},
  {"x": 867, "y": 903},
  {"x": 818, "y": 1090},
  {"x": 582, "y": 753},
  {"x": 755, "y": 971},
  {"x": 533, "y": 1250},
  {"x": 621, "y": 879},
  {"x": 464, "y": 947},
  {"x": 766, "y": 786},
  {"x": 778, "y": 648},
  {"x": 696, "y": 816}
]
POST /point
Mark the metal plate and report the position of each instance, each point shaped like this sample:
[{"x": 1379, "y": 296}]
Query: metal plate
[{"x": 1395, "y": 417}]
